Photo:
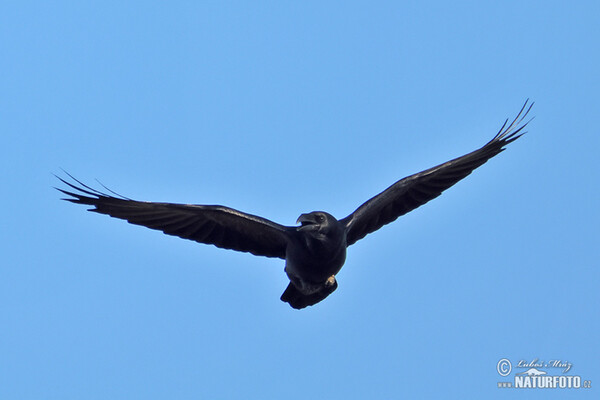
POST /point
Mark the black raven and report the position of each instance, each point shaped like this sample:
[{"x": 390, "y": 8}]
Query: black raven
[{"x": 314, "y": 251}]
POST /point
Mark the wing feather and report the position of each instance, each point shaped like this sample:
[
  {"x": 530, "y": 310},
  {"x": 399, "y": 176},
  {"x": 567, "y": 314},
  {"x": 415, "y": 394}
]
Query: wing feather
[
  {"x": 210, "y": 224},
  {"x": 416, "y": 190}
]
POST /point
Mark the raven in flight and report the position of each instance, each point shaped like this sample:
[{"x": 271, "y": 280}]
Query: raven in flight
[{"x": 314, "y": 251}]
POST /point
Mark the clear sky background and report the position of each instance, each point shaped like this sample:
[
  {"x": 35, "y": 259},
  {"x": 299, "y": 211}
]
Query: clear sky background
[{"x": 279, "y": 108}]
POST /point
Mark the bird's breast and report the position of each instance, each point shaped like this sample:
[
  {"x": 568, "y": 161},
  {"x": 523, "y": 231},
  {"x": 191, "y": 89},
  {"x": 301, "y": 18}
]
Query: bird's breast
[{"x": 314, "y": 261}]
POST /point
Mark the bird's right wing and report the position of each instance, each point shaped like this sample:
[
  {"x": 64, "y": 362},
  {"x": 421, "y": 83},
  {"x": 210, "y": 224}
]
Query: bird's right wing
[
  {"x": 416, "y": 190},
  {"x": 221, "y": 226}
]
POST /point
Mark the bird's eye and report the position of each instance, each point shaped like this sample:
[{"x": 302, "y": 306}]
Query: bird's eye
[{"x": 320, "y": 218}]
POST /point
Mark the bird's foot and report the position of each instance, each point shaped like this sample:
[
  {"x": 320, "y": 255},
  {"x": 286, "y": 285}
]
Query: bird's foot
[{"x": 330, "y": 281}]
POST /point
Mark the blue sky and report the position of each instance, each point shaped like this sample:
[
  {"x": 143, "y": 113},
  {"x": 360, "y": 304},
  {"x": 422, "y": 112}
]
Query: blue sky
[{"x": 280, "y": 108}]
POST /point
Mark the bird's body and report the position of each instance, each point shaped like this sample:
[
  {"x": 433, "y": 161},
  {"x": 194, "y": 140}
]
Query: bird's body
[
  {"x": 315, "y": 251},
  {"x": 315, "y": 254}
]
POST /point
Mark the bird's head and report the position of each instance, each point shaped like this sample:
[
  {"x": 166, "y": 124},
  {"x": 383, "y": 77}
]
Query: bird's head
[{"x": 318, "y": 222}]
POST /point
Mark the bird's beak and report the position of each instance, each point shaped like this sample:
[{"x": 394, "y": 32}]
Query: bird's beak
[{"x": 306, "y": 220}]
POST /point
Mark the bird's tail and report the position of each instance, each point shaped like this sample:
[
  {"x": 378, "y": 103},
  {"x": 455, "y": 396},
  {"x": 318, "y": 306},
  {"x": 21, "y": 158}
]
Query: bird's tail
[{"x": 298, "y": 300}]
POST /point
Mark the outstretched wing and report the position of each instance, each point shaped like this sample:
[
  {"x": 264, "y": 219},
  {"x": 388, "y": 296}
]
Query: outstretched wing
[
  {"x": 221, "y": 226},
  {"x": 416, "y": 190}
]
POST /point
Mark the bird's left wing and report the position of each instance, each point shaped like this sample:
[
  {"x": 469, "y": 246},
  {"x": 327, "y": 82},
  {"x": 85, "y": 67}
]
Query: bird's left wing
[
  {"x": 221, "y": 226},
  {"x": 416, "y": 190}
]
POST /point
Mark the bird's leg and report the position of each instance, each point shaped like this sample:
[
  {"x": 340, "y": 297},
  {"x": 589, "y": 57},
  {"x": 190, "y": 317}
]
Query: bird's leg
[{"x": 330, "y": 281}]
